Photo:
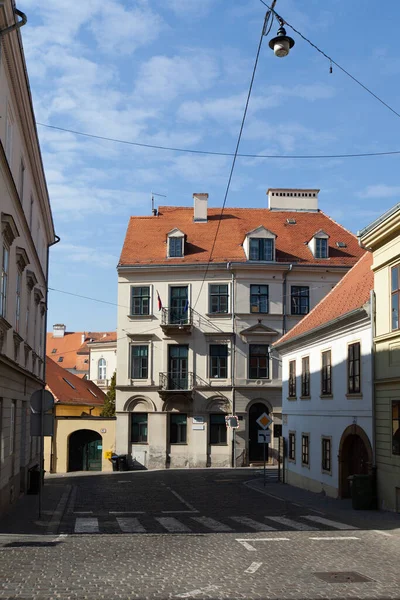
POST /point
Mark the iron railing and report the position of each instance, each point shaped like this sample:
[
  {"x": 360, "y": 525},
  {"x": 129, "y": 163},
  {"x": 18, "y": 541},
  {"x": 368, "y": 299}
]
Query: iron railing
[
  {"x": 177, "y": 317},
  {"x": 177, "y": 381}
]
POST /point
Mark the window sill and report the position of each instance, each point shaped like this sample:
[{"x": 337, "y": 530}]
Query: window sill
[
  {"x": 225, "y": 445},
  {"x": 326, "y": 396},
  {"x": 140, "y": 443},
  {"x": 299, "y": 314},
  {"x": 178, "y": 443},
  {"x": 140, "y": 317},
  {"x": 305, "y": 397},
  {"x": 292, "y": 460},
  {"x": 291, "y": 398},
  {"x": 220, "y": 315},
  {"x": 356, "y": 396},
  {"x": 306, "y": 466},
  {"x": 326, "y": 472}
]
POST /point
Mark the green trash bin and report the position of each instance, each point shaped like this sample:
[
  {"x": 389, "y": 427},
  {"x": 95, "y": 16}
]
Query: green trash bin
[{"x": 363, "y": 492}]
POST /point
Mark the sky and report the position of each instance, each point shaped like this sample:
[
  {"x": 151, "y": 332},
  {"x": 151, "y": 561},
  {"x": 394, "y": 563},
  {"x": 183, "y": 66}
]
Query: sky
[{"x": 176, "y": 73}]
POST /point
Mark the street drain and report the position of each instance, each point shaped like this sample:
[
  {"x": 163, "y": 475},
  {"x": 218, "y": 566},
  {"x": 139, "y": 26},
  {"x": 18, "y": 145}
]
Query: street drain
[{"x": 343, "y": 577}]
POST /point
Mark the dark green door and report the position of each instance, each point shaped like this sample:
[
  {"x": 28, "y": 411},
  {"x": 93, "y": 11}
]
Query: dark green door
[
  {"x": 93, "y": 455},
  {"x": 178, "y": 367},
  {"x": 179, "y": 305}
]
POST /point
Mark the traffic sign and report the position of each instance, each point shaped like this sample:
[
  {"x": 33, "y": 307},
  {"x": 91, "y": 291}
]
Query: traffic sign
[
  {"x": 264, "y": 437},
  {"x": 36, "y": 401},
  {"x": 264, "y": 421},
  {"x": 36, "y": 425},
  {"x": 232, "y": 421}
]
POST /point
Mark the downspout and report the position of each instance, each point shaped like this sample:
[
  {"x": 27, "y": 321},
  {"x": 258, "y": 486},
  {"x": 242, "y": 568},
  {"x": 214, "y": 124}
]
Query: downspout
[
  {"x": 284, "y": 299},
  {"x": 373, "y": 333},
  {"x": 233, "y": 366}
]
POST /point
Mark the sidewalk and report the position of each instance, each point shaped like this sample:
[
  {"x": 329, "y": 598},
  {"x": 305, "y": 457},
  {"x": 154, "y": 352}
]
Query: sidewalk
[
  {"x": 342, "y": 509},
  {"x": 23, "y": 517}
]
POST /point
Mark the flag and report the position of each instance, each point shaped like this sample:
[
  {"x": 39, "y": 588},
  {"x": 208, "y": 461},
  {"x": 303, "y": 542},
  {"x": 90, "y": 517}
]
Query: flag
[
  {"x": 185, "y": 308},
  {"x": 159, "y": 301}
]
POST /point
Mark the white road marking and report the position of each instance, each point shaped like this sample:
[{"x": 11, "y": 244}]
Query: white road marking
[
  {"x": 130, "y": 525},
  {"x": 127, "y": 512},
  {"x": 193, "y": 593},
  {"x": 60, "y": 537},
  {"x": 212, "y": 524},
  {"x": 86, "y": 525},
  {"x": 256, "y": 525},
  {"x": 331, "y": 539},
  {"x": 83, "y": 512},
  {"x": 323, "y": 521},
  {"x": 250, "y": 548},
  {"x": 253, "y": 567},
  {"x": 173, "y": 525},
  {"x": 382, "y": 532},
  {"x": 178, "y": 512},
  {"x": 294, "y": 524},
  {"x": 192, "y": 508}
]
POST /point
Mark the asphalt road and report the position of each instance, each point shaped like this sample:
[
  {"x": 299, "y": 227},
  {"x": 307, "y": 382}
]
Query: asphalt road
[{"x": 197, "y": 534}]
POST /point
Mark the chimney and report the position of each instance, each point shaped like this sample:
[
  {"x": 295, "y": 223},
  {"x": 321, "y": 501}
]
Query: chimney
[
  {"x": 83, "y": 338},
  {"x": 200, "y": 208},
  {"x": 293, "y": 199},
  {"x": 58, "y": 330}
]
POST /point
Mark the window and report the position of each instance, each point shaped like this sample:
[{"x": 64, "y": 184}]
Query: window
[
  {"x": 292, "y": 446},
  {"x": 18, "y": 299},
  {"x": 12, "y": 426},
  {"x": 102, "y": 369},
  {"x": 175, "y": 247},
  {"x": 28, "y": 308},
  {"x": 21, "y": 181},
  {"x": 177, "y": 428},
  {"x": 140, "y": 300},
  {"x": 305, "y": 376},
  {"x": 139, "y": 428},
  {"x": 326, "y": 374},
  {"x": 395, "y": 296},
  {"x": 9, "y": 137},
  {"x": 353, "y": 369},
  {"x": 30, "y": 213},
  {"x": 218, "y": 298},
  {"x": 4, "y": 281},
  {"x": 326, "y": 454},
  {"x": 305, "y": 449},
  {"x": 139, "y": 362},
  {"x": 261, "y": 249},
  {"x": 60, "y": 359},
  {"x": 219, "y": 361},
  {"x": 69, "y": 383},
  {"x": 321, "y": 248},
  {"x": 217, "y": 429},
  {"x": 259, "y": 299},
  {"x": 396, "y": 427},
  {"x": 258, "y": 361},
  {"x": 292, "y": 379},
  {"x": 300, "y": 300}
]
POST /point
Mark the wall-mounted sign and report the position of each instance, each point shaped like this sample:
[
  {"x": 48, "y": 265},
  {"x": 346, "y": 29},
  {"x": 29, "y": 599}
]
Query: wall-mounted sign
[
  {"x": 103, "y": 430},
  {"x": 198, "y": 420}
]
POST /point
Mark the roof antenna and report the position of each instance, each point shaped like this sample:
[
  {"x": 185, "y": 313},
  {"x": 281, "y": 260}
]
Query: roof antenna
[{"x": 154, "y": 210}]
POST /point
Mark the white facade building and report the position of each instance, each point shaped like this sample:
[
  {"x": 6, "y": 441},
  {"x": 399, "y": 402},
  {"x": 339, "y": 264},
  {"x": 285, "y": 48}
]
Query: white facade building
[
  {"x": 327, "y": 391},
  {"x": 103, "y": 360},
  {"x": 195, "y": 329},
  {"x": 26, "y": 233}
]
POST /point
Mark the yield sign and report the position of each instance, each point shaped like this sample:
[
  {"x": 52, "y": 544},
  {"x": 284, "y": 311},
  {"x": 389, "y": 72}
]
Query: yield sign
[{"x": 264, "y": 421}]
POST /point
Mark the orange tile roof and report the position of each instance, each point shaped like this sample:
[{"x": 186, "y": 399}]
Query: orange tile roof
[
  {"x": 145, "y": 241},
  {"x": 72, "y": 350},
  {"x": 352, "y": 292},
  {"x": 82, "y": 392}
]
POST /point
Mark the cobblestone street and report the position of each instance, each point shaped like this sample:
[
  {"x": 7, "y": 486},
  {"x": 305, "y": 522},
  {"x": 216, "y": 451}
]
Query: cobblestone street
[{"x": 195, "y": 534}]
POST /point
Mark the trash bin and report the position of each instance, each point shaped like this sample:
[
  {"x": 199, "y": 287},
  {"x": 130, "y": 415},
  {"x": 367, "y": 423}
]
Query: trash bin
[
  {"x": 114, "y": 462},
  {"x": 123, "y": 462},
  {"x": 363, "y": 492},
  {"x": 34, "y": 480}
]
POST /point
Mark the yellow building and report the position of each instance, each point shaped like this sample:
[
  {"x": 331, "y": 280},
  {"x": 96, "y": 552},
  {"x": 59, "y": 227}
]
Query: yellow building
[
  {"x": 81, "y": 436},
  {"x": 383, "y": 238}
]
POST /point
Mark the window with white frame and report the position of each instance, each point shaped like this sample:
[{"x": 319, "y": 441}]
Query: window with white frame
[
  {"x": 12, "y": 426},
  {"x": 261, "y": 249},
  {"x": 21, "y": 181},
  {"x": 18, "y": 299},
  {"x": 292, "y": 379},
  {"x": 326, "y": 454},
  {"x": 259, "y": 299},
  {"x": 292, "y": 446},
  {"x": 4, "y": 281},
  {"x": 321, "y": 248},
  {"x": 305, "y": 449},
  {"x": 140, "y": 300},
  {"x": 305, "y": 376},
  {"x": 9, "y": 136},
  {"x": 30, "y": 213},
  {"x": 218, "y": 298},
  {"x": 139, "y": 361},
  {"x": 353, "y": 368},
  {"x": 102, "y": 369},
  {"x": 218, "y": 361}
]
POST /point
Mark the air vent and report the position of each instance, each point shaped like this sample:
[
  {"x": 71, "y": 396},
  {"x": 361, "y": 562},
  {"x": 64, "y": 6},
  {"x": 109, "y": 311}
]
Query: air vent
[
  {"x": 341, "y": 244},
  {"x": 291, "y": 221},
  {"x": 93, "y": 394},
  {"x": 60, "y": 359},
  {"x": 69, "y": 383},
  {"x": 54, "y": 350}
]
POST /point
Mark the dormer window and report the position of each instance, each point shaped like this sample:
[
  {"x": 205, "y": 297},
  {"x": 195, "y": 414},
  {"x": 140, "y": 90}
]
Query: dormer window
[
  {"x": 176, "y": 240},
  {"x": 321, "y": 248},
  {"x": 259, "y": 244}
]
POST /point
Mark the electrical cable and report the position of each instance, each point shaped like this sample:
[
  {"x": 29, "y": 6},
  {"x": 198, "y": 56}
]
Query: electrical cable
[
  {"x": 332, "y": 61},
  {"x": 229, "y": 154}
]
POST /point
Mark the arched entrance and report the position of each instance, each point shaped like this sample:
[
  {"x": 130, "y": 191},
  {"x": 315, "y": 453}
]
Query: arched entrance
[
  {"x": 256, "y": 451},
  {"x": 85, "y": 449},
  {"x": 355, "y": 457}
]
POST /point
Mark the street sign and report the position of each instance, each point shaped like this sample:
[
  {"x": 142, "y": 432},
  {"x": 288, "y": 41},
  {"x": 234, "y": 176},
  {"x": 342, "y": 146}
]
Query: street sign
[
  {"x": 48, "y": 425},
  {"x": 264, "y": 437},
  {"x": 232, "y": 421},
  {"x": 264, "y": 421},
  {"x": 36, "y": 401}
]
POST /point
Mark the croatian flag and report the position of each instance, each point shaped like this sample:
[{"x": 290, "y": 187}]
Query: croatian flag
[{"x": 159, "y": 301}]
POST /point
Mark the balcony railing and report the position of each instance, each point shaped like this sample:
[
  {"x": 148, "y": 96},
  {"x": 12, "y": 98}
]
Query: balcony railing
[
  {"x": 179, "y": 319},
  {"x": 176, "y": 382},
  {"x": 101, "y": 382}
]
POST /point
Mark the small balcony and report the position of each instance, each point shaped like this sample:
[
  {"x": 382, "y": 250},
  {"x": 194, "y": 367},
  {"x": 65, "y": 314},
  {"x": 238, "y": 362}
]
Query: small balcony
[
  {"x": 176, "y": 383},
  {"x": 177, "y": 321},
  {"x": 101, "y": 382}
]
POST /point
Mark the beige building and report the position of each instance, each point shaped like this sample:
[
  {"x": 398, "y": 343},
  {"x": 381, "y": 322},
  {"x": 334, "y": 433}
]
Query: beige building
[
  {"x": 201, "y": 300},
  {"x": 383, "y": 238},
  {"x": 26, "y": 233}
]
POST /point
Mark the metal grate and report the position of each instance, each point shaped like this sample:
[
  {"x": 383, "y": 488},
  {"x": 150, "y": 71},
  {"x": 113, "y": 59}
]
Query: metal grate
[{"x": 343, "y": 577}]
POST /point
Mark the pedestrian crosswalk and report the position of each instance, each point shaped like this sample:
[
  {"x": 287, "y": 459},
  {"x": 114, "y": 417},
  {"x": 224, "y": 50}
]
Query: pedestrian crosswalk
[{"x": 186, "y": 524}]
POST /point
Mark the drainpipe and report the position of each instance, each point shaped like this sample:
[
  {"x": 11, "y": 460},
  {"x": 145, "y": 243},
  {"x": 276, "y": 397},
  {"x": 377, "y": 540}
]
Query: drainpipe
[
  {"x": 284, "y": 299},
  {"x": 233, "y": 366},
  {"x": 373, "y": 333}
]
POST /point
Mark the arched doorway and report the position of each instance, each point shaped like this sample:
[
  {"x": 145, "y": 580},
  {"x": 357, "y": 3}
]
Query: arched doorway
[
  {"x": 85, "y": 449},
  {"x": 355, "y": 457},
  {"x": 256, "y": 450}
]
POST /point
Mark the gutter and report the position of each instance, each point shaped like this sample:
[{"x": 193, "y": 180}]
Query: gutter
[
  {"x": 373, "y": 333},
  {"x": 284, "y": 307},
  {"x": 237, "y": 265}
]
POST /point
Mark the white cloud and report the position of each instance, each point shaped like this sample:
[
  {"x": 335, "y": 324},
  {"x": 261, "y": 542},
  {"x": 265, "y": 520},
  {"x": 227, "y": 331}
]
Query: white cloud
[
  {"x": 380, "y": 190},
  {"x": 190, "y": 8}
]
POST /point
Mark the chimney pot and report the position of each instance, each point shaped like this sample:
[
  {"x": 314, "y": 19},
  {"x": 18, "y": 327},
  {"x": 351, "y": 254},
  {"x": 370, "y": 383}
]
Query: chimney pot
[{"x": 58, "y": 330}]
